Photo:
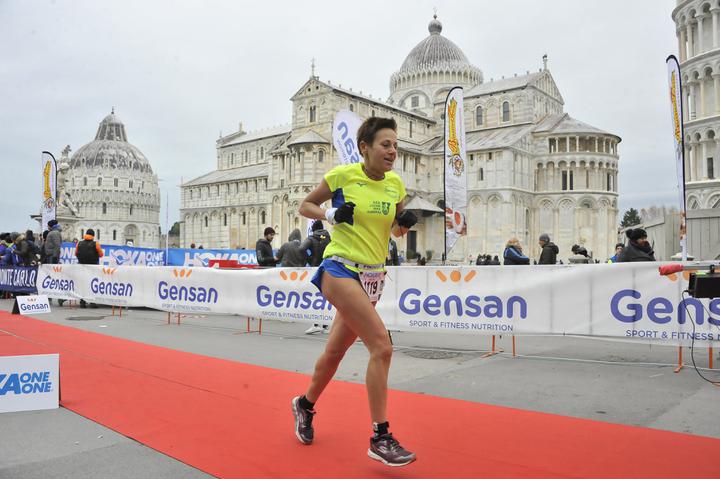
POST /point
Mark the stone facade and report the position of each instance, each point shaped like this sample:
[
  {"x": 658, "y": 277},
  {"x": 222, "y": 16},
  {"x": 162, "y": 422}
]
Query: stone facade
[
  {"x": 113, "y": 189},
  {"x": 698, "y": 35},
  {"x": 532, "y": 168}
]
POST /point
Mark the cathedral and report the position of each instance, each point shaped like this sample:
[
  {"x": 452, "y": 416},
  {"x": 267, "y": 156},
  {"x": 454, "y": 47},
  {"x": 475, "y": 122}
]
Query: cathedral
[
  {"x": 532, "y": 168},
  {"x": 109, "y": 186}
]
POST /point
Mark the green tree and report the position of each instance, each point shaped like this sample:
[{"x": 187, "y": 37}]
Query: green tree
[
  {"x": 175, "y": 230},
  {"x": 630, "y": 218}
]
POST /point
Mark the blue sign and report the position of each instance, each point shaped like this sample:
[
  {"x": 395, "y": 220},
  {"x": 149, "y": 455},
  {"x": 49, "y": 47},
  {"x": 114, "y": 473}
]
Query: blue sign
[
  {"x": 18, "y": 279},
  {"x": 201, "y": 257},
  {"x": 118, "y": 255}
]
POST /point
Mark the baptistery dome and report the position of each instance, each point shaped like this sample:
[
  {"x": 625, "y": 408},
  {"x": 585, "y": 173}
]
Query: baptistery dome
[{"x": 113, "y": 189}]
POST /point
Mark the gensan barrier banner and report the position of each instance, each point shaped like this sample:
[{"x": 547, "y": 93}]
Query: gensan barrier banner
[
  {"x": 627, "y": 300},
  {"x": 18, "y": 279}
]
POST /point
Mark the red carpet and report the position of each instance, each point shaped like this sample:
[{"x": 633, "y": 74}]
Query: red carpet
[{"x": 233, "y": 420}]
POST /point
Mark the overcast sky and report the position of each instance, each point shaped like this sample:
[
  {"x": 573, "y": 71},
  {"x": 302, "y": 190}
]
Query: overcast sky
[{"x": 179, "y": 72}]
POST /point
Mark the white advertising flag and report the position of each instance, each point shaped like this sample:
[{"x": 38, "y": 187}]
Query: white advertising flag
[
  {"x": 49, "y": 188},
  {"x": 455, "y": 169},
  {"x": 345, "y": 127},
  {"x": 675, "y": 87}
]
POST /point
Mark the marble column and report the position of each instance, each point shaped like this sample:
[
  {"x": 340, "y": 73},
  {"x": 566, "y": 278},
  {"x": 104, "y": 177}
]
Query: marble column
[
  {"x": 683, "y": 46},
  {"x": 714, "y": 27},
  {"x": 700, "y": 48},
  {"x": 702, "y": 98},
  {"x": 689, "y": 41}
]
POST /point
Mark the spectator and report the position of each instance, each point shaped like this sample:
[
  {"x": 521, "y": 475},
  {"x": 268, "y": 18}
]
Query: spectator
[
  {"x": 53, "y": 242},
  {"x": 392, "y": 257},
  {"x": 10, "y": 258},
  {"x": 638, "y": 248},
  {"x": 88, "y": 251},
  {"x": 480, "y": 260},
  {"x": 43, "y": 257},
  {"x": 292, "y": 254},
  {"x": 263, "y": 248},
  {"x": 549, "y": 250},
  {"x": 316, "y": 244},
  {"x": 24, "y": 255},
  {"x": 618, "y": 249},
  {"x": 192, "y": 245},
  {"x": 4, "y": 245},
  {"x": 513, "y": 254},
  {"x": 495, "y": 261}
]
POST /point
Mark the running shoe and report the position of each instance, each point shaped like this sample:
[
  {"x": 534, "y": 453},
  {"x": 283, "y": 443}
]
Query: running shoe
[
  {"x": 313, "y": 329},
  {"x": 388, "y": 450},
  {"x": 303, "y": 422}
]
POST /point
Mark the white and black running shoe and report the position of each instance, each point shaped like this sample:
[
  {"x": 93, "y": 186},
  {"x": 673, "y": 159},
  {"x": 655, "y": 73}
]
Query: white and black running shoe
[
  {"x": 388, "y": 450},
  {"x": 303, "y": 422}
]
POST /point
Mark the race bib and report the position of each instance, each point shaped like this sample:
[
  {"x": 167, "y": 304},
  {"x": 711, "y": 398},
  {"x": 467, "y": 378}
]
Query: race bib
[{"x": 373, "y": 282}]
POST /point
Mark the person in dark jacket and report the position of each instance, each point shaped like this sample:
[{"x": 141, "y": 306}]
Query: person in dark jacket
[
  {"x": 316, "y": 243},
  {"x": 549, "y": 250},
  {"x": 52, "y": 243},
  {"x": 88, "y": 251},
  {"x": 292, "y": 254},
  {"x": 392, "y": 257},
  {"x": 263, "y": 248},
  {"x": 513, "y": 254},
  {"x": 24, "y": 254},
  {"x": 638, "y": 248}
]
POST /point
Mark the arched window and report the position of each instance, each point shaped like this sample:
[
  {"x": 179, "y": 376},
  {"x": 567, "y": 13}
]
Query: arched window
[
  {"x": 130, "y": 184},
  {"x": 243, "y": 218},
  {"x": 131, "y": 210},
  {"x": 206, "y": 222},
  {"x": 97, "y": 234},
  {"x": 262, "y": 152},
  {"x": 312, "y": 113},
  {"x": 224, "y": 219},
  {"x": 104, "y": 208},
  {"x": 116, "y": 182},
  {"x": 262, "y": 217},
  {"x": 479, "y": 115},
  {"x": 321, "y": 156},
  {"x": 99, "y": 181},
  {"x": 114, "y": 235},
  {"x": 352, "y": 107},
  {"x": 506, "y": 111},
  {"x": 84, "y": 181}
]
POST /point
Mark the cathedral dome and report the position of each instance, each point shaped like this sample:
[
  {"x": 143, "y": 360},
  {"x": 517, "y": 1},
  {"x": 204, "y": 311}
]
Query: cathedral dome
[
  {"x": 433, "y": 65},
  {"x": 434, "y": 52}
]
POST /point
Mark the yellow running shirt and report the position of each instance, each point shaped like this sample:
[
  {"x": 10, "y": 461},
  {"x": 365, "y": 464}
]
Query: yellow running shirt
[{"x": 366, "y": 240}]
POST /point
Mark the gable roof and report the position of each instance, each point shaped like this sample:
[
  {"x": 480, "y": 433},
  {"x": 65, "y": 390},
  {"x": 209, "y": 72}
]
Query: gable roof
[{"x": 232, "y": 174}]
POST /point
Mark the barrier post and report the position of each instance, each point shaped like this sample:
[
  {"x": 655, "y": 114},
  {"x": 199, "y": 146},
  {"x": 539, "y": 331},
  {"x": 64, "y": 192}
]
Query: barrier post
[
  {"x": 513, "y": 344},
  {"x": 680, "y": 361},
  {"x": 710, "y": 358},
  {"x": 247, "y": 328},
  {"x": 168, "y": 317},
  {"x": 178, "y": 318},
  {"x": 493, "y": 352}
]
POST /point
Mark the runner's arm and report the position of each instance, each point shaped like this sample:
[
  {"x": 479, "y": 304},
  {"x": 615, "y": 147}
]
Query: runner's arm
[{"x": 310, "y": 207}]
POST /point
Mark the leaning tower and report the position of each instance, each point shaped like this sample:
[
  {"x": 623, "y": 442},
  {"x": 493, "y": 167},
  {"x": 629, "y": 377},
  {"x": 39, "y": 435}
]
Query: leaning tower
[{"x": 698, "y": 32}]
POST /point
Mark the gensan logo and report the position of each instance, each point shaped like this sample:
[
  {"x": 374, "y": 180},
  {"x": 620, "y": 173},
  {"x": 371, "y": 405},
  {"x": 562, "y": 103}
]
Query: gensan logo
[
  {"x": 32, "y": 304},
  {"x": 108, "y": 287},
  {"x": 307, "y": 300},
  {"x": 186, "y": 294},
  {"x": 57, "y": 284},
  {"x": 413, "y": 301},
  {"x": 629, "y": 306}
]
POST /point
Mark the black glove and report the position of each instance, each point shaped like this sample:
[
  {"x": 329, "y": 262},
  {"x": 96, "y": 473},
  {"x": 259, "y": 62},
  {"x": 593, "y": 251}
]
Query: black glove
[
  {"x": 406, "y": 219},
  {"x": 344, "y": 214}
]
